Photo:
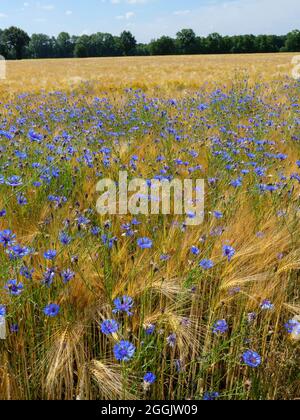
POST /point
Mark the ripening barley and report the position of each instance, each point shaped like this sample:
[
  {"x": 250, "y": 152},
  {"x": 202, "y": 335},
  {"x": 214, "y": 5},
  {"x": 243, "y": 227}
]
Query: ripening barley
[{"x": 148, "y": 305}]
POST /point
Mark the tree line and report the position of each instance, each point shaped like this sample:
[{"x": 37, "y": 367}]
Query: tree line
[{"x": 17, "y": 44}]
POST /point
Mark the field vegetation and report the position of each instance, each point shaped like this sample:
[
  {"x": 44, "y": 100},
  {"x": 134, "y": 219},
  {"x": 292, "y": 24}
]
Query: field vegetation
[{"x": 124, "y": 307}]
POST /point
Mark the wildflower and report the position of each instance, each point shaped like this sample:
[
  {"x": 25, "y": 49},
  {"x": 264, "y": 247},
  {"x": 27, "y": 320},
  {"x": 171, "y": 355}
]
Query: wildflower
[
  {"x": 228, "y": 252},
  {"x": 293, "y": 326},
  {"x": 135, "y": 222},
  {"x": 149, "y": 329},
  {"x": 22, "y": 200},
  {"x": 149, "y": 378},
  {"x": 109, "y": 327},
  {"x": 144, "y": 243},
  {"x": 50, "y": 254},
  {"x": 220, "y": 327},
  {"x": 191, "y": 215},
  {"x": 17, "y": 252},
  {"x": 195, "y": 250},
  {"x": 251, "y": 359},
  {"x": 251, "y": 317},
  {"x": 123, "y": 304},
  {"x": 64, "y": 238},
  {"x": 67, "y": 275},
  {"x": 267, "y": 305},
  {"x": 295, "y": 334},
  {"x": 2, "y": 310},
  {"x": 234, "y": 291},
  {"x": 236, "y": 183},
  {"x": 26, "y": 272},
  {"x": 82, "y": 221},
  {"x": 14, "y": 328},
  {"x": 206, "y": 264},
  {"x": 14, "y": 181},
  {"x": 178, "y": 365},
  {"x": 95, "y": 230},
  {"x": 48, "y": 277},
  {"x": 7, "y": 238},
  {"x": 52, "y": 310},
  {"x": 218, "y": 214},
  {"x": 34, "y": 137},
  {"x": 124, "y": 351},
  {"x": 171, "y": 340},
  {"x": 14, "y": 288},
  {"x": 210, "y": 396}
]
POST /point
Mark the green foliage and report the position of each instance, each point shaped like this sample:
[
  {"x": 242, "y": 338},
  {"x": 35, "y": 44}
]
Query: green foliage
[
  {"x": 16, "y": 44},
  {"x": 15, "y": 40}
]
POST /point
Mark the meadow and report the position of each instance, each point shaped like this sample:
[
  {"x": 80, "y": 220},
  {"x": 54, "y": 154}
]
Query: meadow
[{"x": 123, "y": 307}]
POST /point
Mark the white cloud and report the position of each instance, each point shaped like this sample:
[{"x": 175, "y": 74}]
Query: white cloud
[
  {"x": 126, "y": 16},
  {"x": 228, "y": 17}
]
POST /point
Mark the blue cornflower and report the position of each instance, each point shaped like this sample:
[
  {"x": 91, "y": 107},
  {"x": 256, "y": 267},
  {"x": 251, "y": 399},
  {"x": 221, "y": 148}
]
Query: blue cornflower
[
  {"x": 26, "y": 272},
  {"x": 124, "y": 351},
  {"x": 218, "y": 214},
  {"x": 14, "y": 288},
  {"x": 64, "y": 238},
  {"x": 17, "y": 252},
  {"x": 220, "y": 327},
  {"x": 14, "y": 328},
  {"x": 135, "y": 222},
  {"x": 95, "y": 230},
  {"x": 210, "y": 396},
  {"x": 50, "y": 254},
  {"x": 67, "y": 275},
  {"x": 109, "y": 326},
  {"x": 2, "y": 310},
  {"x": 150, "y": 378},
  {"x": 123, "y": 304},
  {"x": 22, "y": 200},
  {"x": 251, "y": 359},
  {"x": 236, "y": 183},
  {"x": 228, "y": 252},
  {"x": 52, "y": 310},
  {"x": 7, "y": 238},
  {"x": 149, "y": 329},
  {"x": 82, "y": 221},
  {"x": 171, "y": 340},
  {"x": 48, "y": 277},
  {"x": 206, "y": 264},
  {"x": 195, "y": 250},
  {"x": 191, "y": 215},
  {"x": 35, "y": 137},
  {"x": 298, "y": 163},
  {"x": 14, "y": 181},
  {"x": 292, "y": 325},
  {"x": 144, "y": 243},
  {"x": 267, "y": 305},
  {"x": 2, "y": 213}
]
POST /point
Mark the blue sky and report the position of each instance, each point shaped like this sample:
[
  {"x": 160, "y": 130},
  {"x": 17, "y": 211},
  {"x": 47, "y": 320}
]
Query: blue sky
[{"x": 151, "y": 18}]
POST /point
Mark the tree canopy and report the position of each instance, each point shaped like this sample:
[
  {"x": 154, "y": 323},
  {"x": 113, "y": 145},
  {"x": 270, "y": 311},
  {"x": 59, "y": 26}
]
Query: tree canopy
[{"x": 16, "y": 44}]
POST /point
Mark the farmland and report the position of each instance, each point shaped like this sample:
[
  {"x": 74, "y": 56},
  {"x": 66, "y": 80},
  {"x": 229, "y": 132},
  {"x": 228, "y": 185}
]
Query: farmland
[{"x": 147, "y": 307}]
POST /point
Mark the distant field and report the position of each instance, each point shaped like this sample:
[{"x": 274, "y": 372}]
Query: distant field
[
  {"x": 146, "y": 306},
  {"x": 174, "y": 73}
]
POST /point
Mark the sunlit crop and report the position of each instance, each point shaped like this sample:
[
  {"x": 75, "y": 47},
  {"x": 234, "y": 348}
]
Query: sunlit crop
[{"x": 135, "y": 307}]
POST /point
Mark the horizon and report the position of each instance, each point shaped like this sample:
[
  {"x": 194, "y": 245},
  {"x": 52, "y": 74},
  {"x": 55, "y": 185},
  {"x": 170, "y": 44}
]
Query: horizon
[{"x": 150, "y": 19}]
